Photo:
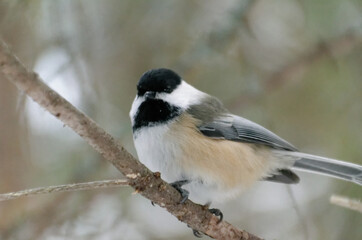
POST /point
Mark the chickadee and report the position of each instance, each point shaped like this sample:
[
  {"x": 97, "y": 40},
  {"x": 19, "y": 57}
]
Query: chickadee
[{"x": 206, "y": 152}]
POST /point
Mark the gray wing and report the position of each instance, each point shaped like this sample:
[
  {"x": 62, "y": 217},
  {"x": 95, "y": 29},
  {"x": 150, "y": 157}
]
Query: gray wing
[
  {"x": 235, "y": 128},
  {"x": 218, "y": 123}
]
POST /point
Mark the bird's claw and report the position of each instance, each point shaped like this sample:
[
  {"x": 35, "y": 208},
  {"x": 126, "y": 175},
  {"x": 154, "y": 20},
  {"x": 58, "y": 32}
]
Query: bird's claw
[
  {"x": 178, "y": 186},
  {"x": 197, "y": 233},
  {"x": 217, "y": 213}
]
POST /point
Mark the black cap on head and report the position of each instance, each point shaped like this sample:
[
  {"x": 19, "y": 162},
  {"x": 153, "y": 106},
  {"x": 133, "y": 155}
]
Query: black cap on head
[{"x": 158, "y": 80}]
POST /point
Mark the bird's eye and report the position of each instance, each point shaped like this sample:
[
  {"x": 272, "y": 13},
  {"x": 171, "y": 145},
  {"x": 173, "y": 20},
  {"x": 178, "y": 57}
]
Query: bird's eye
[{"x": 167, "y": 90}]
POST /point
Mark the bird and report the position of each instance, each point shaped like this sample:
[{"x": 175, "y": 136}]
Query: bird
[{"x": 209, "y": 154}]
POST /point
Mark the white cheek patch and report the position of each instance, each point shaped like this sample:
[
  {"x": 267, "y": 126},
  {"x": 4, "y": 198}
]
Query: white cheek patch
[
  {"x": 183, "y": 96},
  {"x": 135, "y": 105}
]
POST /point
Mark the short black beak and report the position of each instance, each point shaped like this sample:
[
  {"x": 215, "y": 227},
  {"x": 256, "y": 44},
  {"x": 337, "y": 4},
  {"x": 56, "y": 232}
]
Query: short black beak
[{"x": 150, "y": 95}]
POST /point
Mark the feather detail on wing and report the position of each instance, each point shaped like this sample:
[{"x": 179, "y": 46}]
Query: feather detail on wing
[
  {"x": 235, "y": 128},
  {"x": 217, "y": 122}
]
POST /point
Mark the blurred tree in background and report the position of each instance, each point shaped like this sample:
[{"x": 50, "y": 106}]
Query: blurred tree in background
[{"x": 293, "y": 66}]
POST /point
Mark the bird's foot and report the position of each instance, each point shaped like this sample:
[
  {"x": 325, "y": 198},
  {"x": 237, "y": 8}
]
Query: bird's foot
[
  {"x": 178, "y": 186},
  {"x": 196, "y": 233},
  {"x": 217, "y": 213}
]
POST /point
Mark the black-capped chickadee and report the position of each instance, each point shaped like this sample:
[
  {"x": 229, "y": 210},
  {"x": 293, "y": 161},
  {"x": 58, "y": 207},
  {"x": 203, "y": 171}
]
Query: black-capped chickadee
[{"x": 207, "y": 152}]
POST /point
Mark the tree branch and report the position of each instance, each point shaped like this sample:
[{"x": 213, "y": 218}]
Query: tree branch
[
  {"x": 148, "y": 184},
  {"x": 64, "y": 188}
]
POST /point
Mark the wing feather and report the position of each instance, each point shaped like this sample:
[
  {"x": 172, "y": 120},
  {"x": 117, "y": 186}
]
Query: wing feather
[
  {"x": 235, "y": 128},
  {"x": 217, "y": 123}
]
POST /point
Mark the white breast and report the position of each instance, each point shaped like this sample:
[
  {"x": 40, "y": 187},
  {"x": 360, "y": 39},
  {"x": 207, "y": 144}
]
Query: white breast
[{"x": 157, "y": 153}]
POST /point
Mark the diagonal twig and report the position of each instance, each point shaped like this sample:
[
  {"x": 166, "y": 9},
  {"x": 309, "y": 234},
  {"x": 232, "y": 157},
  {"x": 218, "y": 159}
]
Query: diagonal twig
[
  {"x": 295, "y": 70},
  {"x": 334, "y": 47},
  {"x": 148, "y": 184}
]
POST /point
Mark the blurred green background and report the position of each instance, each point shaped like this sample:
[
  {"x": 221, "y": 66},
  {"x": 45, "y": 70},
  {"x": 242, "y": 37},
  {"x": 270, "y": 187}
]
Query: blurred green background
[{"x": 293, "y": 66}]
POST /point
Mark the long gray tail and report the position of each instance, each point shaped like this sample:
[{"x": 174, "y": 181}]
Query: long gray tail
[{"x": 327, "y": 166}]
